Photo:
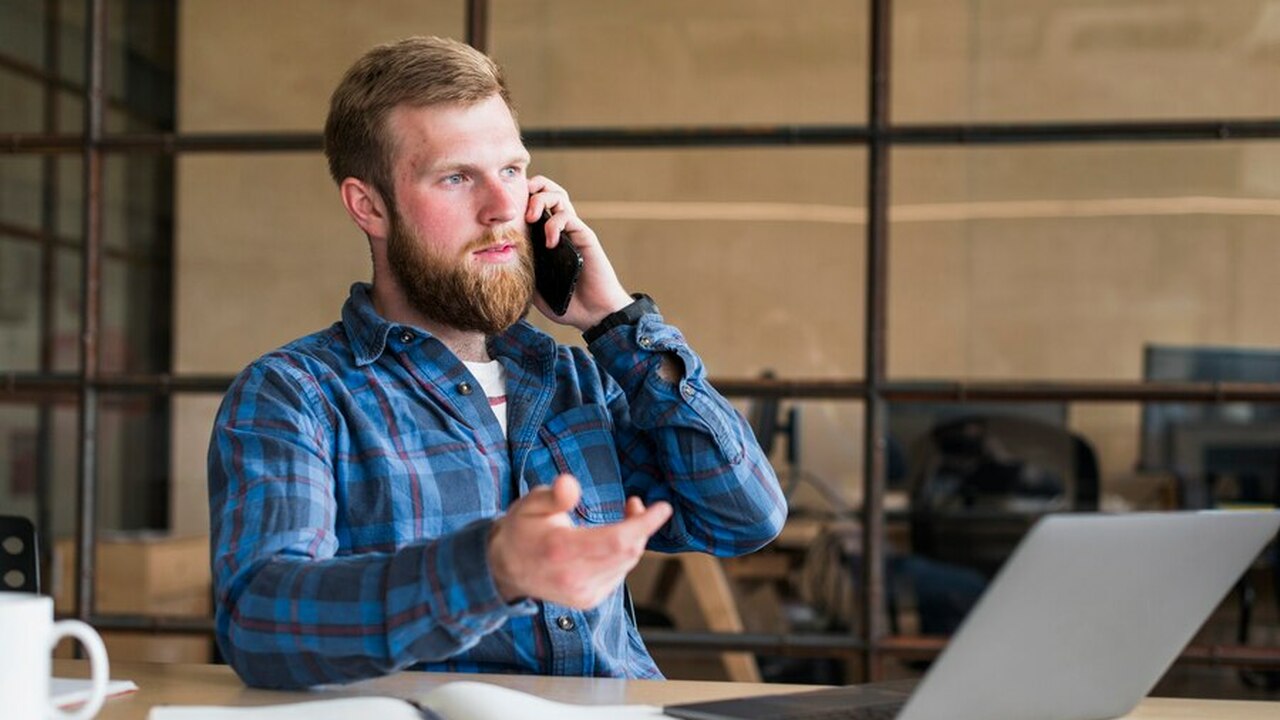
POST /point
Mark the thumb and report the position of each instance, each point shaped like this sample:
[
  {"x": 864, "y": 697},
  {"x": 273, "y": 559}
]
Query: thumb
[{"x": 560, "y": 497}]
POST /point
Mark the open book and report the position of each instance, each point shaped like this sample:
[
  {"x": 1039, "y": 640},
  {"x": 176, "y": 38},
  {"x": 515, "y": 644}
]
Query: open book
[{"x": 451, "y": 701}]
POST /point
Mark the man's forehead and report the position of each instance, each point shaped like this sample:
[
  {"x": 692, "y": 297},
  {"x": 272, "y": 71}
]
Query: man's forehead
[{"x": 456, "y": 133}]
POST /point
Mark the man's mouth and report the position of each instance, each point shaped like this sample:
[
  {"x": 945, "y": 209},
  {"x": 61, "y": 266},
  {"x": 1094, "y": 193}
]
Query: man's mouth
[{"x": 497, "y": 252}]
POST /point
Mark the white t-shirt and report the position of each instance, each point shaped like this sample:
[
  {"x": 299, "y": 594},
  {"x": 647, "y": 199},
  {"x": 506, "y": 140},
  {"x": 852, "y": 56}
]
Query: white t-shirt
[{"x": 493, "y": 378}]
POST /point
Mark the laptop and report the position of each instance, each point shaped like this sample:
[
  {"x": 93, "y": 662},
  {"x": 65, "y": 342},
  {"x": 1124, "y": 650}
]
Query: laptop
[{"x": 1079, "y": 624}]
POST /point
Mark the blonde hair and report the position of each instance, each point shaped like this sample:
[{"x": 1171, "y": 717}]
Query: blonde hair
[{"x": 417, "y": 72}]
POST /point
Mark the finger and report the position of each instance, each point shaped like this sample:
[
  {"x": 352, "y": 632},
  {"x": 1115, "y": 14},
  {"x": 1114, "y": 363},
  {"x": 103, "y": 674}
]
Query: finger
[
  {"x": 559, "y": 497},
  {"x": 542, "y": 183},
  {"x": 567, "y": 492},
  {"x": 538, "y": 204},
  {"x": 634, "y": 507},
  {"x": 562, "y": 219},
  {"x": 607, "y": 544},
  {"x": 652, "y": 518}
]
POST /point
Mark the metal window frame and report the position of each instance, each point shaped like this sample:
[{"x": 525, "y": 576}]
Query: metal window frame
[{"x": 879, "y": 136}]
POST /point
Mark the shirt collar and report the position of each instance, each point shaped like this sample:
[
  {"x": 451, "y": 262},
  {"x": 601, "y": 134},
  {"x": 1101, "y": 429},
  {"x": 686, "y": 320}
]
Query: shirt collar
[{"x": 367, "y": 332}]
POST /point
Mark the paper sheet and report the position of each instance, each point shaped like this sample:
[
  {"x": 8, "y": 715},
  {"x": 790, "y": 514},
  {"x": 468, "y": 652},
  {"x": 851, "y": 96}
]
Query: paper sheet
[{"x": 66, "y": 692}]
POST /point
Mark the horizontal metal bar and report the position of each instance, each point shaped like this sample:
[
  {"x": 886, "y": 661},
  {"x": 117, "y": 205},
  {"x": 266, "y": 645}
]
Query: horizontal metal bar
[
  {"x": 158, "y": 624},
  {"x": 808, "y": 389},
  {"x": 793, "y": 644},
  {"x": 1126, "y": 131},
  {"x": 166, "y": 143},
  {"x": 709, "y": 136},
  {"x": 1134, "y": 391},
  {"x": 700, "y": 136},
  {"x": 911, "y": 647},
  {"x": 32, "y": 235},
  {"x": 158, "y": 384}
]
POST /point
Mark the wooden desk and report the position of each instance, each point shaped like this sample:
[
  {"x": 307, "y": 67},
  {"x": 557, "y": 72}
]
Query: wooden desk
[{"x": 217, "y": 685}]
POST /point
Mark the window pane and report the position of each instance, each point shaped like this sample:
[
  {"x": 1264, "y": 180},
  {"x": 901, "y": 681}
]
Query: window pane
[
  {"x": 22, "y": 31},
  {"x": 21, "y": 103},
  {"x": 19, "y": 304},
  {"x": 137, "y": 192},
  {"x": 254, "y": 66},
  {"x": 756, "y": 254},
  {"x": 135, "y": 322},
  {"x": 132, "y": 487},
  {"x": 18, "y": 460},
  {"x": 1064, "y": 263},
  {"x": 996, "y": 60},
  {"x": 583, "y": 62},
  {"x": 66, "y": 311},
  {"x": 21, "y": 184}
]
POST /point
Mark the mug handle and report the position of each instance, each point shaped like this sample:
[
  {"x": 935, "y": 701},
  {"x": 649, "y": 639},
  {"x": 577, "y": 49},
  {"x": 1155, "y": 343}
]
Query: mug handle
[{"x": 99, "y": 668}]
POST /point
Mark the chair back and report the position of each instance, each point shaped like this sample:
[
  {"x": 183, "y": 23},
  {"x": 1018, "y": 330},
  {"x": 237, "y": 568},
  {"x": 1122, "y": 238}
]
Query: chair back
[
  {"x": 19, "y": 564},
  {"x": 979, "y": 482}
]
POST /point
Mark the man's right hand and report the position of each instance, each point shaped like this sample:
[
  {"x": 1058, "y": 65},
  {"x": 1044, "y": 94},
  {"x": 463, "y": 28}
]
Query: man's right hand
[{"x": 536, "y": 552}]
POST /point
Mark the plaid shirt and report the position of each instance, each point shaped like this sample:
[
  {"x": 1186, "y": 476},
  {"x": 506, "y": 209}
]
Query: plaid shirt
[{"x": 354, "y": 475}]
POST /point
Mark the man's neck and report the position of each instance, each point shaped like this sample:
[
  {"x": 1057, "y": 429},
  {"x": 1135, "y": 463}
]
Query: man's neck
[{"x": 390, "y": 302}]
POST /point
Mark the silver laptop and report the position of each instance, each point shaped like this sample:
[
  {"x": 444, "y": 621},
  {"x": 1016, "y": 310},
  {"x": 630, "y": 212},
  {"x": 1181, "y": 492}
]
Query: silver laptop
[{"x": 1079, "y": 624}]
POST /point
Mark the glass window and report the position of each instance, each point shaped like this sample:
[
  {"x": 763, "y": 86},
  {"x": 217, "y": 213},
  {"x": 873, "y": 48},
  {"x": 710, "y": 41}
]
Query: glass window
[
  {"x": 777, "y": 233},
  {"x": 19, "y": 304},
  {"x": 1064, "y": 262},
  {"x": 238, "y": 77},
  {"x": 585, "y": 63},
  {"x": 22, "y": 24},
  {"x": 1041, "y": 60}
]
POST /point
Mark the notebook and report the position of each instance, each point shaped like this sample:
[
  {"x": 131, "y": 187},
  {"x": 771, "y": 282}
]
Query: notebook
[{"x": 1079, "y": 624}]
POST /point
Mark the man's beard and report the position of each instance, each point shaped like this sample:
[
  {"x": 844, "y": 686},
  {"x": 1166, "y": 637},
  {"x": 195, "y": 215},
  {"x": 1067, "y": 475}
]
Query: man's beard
[{"x": 456, "y": 292}]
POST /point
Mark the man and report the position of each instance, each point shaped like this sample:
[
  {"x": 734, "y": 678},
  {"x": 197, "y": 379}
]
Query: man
[{"x": 432, "y": 482}]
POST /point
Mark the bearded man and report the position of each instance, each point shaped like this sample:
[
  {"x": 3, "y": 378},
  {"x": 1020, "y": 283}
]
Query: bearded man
[{"x": 433, "y": 483}]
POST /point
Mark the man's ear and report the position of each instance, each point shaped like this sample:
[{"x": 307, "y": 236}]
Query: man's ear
[{"x": 365, "y": 206}]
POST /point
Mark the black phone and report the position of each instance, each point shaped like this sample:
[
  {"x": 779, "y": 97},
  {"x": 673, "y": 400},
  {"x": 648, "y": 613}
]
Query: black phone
[{"x": 555, "y": 270}]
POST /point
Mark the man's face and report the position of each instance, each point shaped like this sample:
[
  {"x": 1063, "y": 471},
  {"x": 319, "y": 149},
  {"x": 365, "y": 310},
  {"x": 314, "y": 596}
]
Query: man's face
[{"x": 458, "y": 243}]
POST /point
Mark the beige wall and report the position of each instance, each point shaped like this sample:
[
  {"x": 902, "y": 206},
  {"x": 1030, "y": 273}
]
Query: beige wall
[{"x": 1043, "y": 262}]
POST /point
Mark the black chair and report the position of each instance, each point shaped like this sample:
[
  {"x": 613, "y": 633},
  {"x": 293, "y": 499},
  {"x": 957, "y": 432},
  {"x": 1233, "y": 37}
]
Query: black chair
[
  {"x": 979, "y": 482},
  {"x": 19, "y": 563}
]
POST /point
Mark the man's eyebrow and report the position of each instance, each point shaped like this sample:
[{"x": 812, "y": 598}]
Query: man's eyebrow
[{"x": 448, "y": 165}]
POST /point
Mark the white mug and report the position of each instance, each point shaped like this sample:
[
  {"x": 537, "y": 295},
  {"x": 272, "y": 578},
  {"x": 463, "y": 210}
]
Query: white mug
[{"x": 27, "y": 637}]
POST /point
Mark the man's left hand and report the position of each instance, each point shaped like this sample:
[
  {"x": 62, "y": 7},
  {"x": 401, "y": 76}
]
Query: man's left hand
[{"x": 599, "y": 292}]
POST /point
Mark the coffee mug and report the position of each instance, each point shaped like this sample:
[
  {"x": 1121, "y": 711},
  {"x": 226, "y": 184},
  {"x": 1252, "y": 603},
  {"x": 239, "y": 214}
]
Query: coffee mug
[{"x": 27, "y": 637}]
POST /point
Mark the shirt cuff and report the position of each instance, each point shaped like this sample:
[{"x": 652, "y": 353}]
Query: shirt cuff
[{"x": 459, "y": 585}]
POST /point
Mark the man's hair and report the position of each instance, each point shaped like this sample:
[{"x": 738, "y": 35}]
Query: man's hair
[{"x": 416, "y": 72}]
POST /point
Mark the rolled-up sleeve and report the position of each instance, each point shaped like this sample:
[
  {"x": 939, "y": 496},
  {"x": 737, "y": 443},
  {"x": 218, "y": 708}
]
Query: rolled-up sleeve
[{"x": 684, "y": 443}]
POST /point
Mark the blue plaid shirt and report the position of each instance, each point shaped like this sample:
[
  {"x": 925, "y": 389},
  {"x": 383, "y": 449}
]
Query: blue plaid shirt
[{"x": 354, "y": 475}]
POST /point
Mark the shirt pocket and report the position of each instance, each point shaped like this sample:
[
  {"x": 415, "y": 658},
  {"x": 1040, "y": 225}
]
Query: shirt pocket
[{"x": 580, "y": 442}]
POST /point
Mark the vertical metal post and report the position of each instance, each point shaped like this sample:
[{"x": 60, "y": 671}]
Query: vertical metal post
[
  {"x": 875, "y": 427},
  {"x": 48, "y": 289},
  {"x": 90, "y": 308},
  {"x": 478, "y": 24}
]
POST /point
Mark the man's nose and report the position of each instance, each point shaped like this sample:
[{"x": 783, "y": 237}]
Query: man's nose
[{"x": 503, "y": 202}]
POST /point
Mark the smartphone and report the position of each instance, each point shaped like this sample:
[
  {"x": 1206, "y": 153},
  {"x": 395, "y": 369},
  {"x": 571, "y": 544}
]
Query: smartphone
[{"x": 555, "y": 270}]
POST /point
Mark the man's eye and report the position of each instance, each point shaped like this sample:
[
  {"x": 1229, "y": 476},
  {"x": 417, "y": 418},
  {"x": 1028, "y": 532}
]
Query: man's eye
[
  {"x": 454, "y": 179},
  {"x": 511, "y": 171}
]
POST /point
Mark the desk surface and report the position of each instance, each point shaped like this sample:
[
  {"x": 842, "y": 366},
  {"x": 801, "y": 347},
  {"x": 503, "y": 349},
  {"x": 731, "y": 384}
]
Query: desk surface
[{"x": 217, "y": 685}]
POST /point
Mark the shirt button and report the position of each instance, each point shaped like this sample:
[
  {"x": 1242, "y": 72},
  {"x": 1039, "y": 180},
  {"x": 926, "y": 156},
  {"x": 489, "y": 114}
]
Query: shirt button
[
  {"x": 566, "y": 623},
  {"x": 464, "y": 387},
  {"x": 687, "y": 391},
  {"x": 645, "y": 341},
  {"x": 406, "y": 337}
]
